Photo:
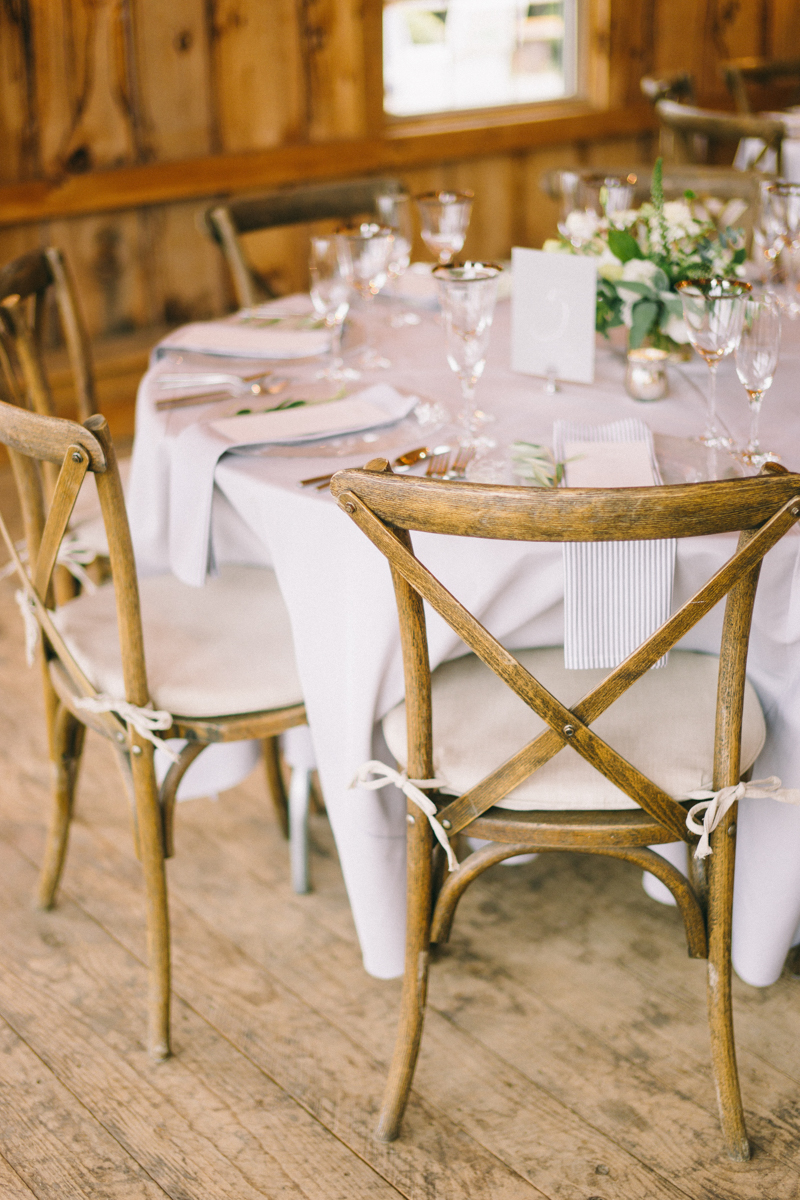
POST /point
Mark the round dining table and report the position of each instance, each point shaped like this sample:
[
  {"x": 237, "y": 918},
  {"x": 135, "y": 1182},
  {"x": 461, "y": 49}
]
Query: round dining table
[{"x": 340, "y": 600}]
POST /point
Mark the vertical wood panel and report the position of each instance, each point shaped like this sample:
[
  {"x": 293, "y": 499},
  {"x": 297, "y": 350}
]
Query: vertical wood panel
[
  {"x": 334, "y": 53},
  {"x": 259, "y": 81},
  {"x": 174, "y": 63},
  {"x": 19, "y": 144}
]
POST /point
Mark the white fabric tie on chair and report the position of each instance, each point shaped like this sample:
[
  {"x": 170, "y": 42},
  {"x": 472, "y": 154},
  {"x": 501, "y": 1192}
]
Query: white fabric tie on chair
[
  {"x": 714, "y": 805},
  {"x": 146, "y": 721},
  {"x": 31, "y": 625},
  {"x": 72, "y": 554},
  {"x": 411, "y": 788}
]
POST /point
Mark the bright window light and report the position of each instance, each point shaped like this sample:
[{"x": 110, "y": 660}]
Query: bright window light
[{"x": 451, "y": 55}]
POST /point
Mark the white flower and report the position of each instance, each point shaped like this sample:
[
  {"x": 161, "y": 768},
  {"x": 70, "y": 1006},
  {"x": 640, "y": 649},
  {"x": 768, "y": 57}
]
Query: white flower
[
  {"x": 679, "y": 218},
  {"x": 675, "y": 327},
  {"x": 639, "y": 270},
  {"x": 581, "y": 226},
  {"x": 555, "y": 246},
  {"x": 608, "y": 265}
]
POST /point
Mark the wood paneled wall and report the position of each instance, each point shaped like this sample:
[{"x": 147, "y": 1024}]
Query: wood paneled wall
[{"x": 111, "y": 94}]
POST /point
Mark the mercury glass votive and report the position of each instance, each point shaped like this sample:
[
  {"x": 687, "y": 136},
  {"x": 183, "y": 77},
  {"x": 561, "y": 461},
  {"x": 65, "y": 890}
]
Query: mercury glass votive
[{"x": 646, "y": 376}]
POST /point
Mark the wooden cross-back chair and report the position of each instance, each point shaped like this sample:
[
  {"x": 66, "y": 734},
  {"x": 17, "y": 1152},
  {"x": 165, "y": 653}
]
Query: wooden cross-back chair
[
  {"x": 687, "y": 132},
  {"x": 220, "y": 665},
  {"x": 24, "y": 286},
  {"x": 763, "y": 72},
  {"x": 457, "y": 725},
  {"x": 286, "y": 206}
]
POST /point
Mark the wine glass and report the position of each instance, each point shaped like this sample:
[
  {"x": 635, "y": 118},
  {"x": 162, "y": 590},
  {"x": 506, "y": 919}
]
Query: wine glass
[
  {"x": 394, "y": 211},
  {"x": 780, "y": 231},
  {"x": 467, "y": 294},
  {"x": 330, "y": 296},
  {"x": 585, "y": 200},
  {"x": 444, "y": 217},
  {"x": 713, "y": 310},
  {"x": 756, "y": 359},
  {"x": 364, "y": 252}
]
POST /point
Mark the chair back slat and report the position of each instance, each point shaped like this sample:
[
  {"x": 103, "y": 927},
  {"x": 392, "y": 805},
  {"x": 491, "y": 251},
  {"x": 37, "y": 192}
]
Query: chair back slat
[
  {"x": 568, "y": 514},
  {"x": 68, "y": 485},
  {"x": 374, "y": 501},
  {"x": 47, "y": 438}
]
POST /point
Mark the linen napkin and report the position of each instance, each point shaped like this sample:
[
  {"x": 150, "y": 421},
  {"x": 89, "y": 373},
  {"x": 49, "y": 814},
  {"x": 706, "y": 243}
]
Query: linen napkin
[
  {"x": 238, "y": 338},
  {"x": 195, "y": 452},
  {"x": 616, "y": 594}
]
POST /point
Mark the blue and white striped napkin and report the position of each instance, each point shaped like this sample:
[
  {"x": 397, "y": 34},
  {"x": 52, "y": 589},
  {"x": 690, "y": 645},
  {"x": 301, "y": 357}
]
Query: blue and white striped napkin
[{"x": 616, "y": 594}]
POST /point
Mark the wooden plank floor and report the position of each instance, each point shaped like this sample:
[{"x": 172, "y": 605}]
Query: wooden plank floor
[{"x": 565, "y": 1052}]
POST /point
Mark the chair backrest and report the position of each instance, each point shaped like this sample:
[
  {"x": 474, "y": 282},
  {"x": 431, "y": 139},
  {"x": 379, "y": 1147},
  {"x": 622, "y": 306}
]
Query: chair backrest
[
  {"x": 738, "y": 72},
  {"x": 25, "y": 284},
  {"x": 679, "y": 86},
  {"x": 691, "y": 127},
  {"x": 32, "y": 440},
  {"x": 286, "y": 206},
  {"x": 387, "y": 507}
]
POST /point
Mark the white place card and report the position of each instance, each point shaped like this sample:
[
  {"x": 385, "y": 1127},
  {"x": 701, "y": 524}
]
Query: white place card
[{"x": 553, "y": 315}]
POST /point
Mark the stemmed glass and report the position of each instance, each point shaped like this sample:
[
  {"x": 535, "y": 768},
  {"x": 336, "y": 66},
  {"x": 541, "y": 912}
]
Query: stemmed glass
[
  {"x": 364, "y": 254},
  {"x": 467, "y": 295},
  {"x": 713, "y": 310},
  {"x": 330, "y": 296},
  {"x": 585, "y": 200},
  {"x": 394, "y": 211},
  {"x": 444, "y": 217},
  {"x": 780, "y": 230},
  {"x": 756, "y": 360}
]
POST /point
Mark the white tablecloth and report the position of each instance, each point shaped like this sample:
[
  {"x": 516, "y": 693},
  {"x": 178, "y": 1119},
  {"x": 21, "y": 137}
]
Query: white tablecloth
[{"x": 338, "y": 592}]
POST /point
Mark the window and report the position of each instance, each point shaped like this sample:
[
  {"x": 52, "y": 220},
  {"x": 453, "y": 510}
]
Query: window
[{"x": 451, "y": 55}]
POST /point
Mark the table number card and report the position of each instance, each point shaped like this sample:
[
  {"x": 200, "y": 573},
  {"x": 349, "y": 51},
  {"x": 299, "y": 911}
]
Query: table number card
[{"x": 553, "y": 315}]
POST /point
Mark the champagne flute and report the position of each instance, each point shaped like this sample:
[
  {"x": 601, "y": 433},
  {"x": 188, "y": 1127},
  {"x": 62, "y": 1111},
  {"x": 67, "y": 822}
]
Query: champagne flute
[
  {"x": 444, "y": 217},
  {"x": 713, "y": 310},
  {"x": 364, "y": 252},
  {"x": 330, "y": 296},
  {"x": 467, "y": 294},
  {"x": 756, "y": 360}
]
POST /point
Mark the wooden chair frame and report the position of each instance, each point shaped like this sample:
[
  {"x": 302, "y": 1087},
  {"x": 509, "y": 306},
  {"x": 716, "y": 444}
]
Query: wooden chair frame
[
  {"x": 686, "y": 123},
  {"x": 287, "y": 206},
  {"x": 33, "y": 439},
  {"x": 29, "y": 279},
  {"x": 387, "y": 508}
]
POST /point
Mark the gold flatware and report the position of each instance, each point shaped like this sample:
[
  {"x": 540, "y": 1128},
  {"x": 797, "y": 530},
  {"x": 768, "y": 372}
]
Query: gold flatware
[
  {"x": 437, "y": 467},
  {"x": 255, "y": 389},
  {"x": 401, "y": 463},
  {"x": 464, "y": 456}
]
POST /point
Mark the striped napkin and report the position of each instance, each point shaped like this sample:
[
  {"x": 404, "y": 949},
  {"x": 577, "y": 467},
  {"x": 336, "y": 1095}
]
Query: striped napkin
[{"x": 616, "y": 594}]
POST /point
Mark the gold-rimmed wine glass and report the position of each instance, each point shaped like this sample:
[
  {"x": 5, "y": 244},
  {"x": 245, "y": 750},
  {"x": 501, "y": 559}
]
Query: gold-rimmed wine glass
[
  {"x": 756, "y": 360},
  {"x": 444, "y": 218},
  {"x": 714, "y": 311},
  {"x": 467, "y": 294}
]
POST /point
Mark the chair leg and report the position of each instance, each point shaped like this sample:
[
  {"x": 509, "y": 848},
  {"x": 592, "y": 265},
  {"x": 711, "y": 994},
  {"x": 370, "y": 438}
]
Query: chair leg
[
  {"x": 277, "y": 791},
  {"x": 720, "y": 1014},
  {"x": 415, "y": 979},
  {"x": 299, "y": 801},
  {"x": 67, "y": 738},
  {"x": 151, "y": 849}
]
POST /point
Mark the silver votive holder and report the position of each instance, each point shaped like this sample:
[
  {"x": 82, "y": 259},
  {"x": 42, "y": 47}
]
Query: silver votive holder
[{"x": 646, "y": 376}]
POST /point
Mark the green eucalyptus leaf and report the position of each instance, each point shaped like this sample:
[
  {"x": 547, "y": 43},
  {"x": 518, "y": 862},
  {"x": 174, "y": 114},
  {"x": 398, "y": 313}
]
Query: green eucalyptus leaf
[
  {"x": 643, "y": 315},
  {"x": 623, "y": 245}
]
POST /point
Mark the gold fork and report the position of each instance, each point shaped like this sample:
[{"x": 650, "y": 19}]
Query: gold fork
[
  {"x": 464, "y": 456},
  {"x": 437, "y": 467}
]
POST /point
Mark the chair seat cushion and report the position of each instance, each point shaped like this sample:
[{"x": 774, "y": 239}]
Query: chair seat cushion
[
  {"x": 222, "y": 649},
  {"x": 663, "y": 724}
]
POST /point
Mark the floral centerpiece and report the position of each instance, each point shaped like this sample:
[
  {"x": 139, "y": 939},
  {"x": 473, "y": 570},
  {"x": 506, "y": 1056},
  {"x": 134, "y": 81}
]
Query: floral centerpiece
[{"x": 643, "y": 253}]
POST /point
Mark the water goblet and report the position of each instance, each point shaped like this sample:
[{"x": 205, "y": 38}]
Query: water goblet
[
  {"x": 444, "y": 217},
  {"x": 394, "y": 211},
  {"x": 779, "y": 230},
  {"x": 713, "y": 310},
  {"x": 330, "y": 296},
  {"x": 756, "y": 360},
  {"x": 364, "y": 252},
  {"x": 467, "y": 294}
]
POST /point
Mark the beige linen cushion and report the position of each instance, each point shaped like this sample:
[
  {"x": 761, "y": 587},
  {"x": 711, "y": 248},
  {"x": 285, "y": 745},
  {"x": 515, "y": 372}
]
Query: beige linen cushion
[
  {"x": 663, "y": 724},
  {"x": 223, "y": 648}
]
